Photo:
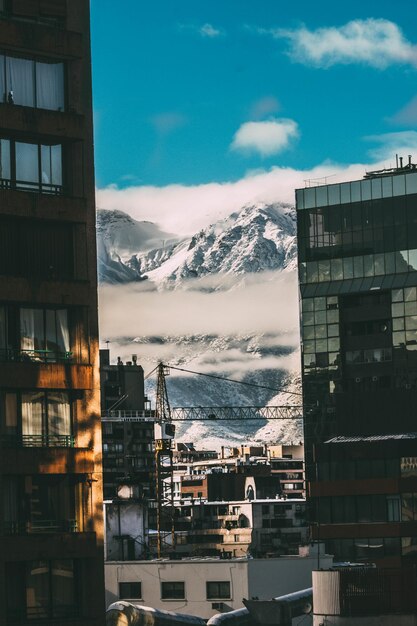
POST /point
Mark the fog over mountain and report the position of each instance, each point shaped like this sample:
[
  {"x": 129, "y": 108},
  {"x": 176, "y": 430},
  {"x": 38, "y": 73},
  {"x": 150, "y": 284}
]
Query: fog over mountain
[{"x": 223, "y": 301}]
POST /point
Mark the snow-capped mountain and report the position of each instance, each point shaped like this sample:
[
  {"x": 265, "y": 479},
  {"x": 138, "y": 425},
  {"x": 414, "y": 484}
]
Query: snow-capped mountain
[{"x": 257, "y": 241}]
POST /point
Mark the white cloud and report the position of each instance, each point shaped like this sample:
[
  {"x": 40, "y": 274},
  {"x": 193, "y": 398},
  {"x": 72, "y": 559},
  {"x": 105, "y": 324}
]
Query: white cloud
[
  {"x": 265, "y": 138},
  {"x": 390, "y": 144},
  {"x": 186, "y": 209},
  {"x": 135, "y": 309},
  {"x": 375, "y": 42},
  {"x": 207, "y": 30}
]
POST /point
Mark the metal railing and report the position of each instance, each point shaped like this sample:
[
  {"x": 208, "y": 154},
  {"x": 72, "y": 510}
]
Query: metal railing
[
  {"x": 129, "y": 416},
  {"x": 38, "y": 356},
  {"x": 37, "y": 441},
  {"x": 37, "y": 187},
  {"x": 28, "y": 527}
]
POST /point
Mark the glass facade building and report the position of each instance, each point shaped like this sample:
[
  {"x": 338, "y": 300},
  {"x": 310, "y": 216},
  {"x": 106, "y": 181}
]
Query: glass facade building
[{"x": 357, "y": 247}]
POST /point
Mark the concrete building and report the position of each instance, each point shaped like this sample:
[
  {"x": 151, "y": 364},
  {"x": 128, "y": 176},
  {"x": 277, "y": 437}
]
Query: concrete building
[
  {"x": 204, "y": 587},
  {"x": 357, "y": 245},
  {"x": 51, "y": 529},
  {"x": 128, "y": 428}
]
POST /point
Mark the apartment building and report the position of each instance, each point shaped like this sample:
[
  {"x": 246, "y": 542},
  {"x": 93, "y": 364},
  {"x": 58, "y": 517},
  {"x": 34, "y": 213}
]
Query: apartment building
[{"x": 51, "y": 529}]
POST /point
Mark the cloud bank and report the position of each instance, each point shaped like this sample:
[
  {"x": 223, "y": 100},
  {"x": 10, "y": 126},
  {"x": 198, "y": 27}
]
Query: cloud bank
[
  {"x": 186, "y": 209},
  {"x": 375, "y": 42},
  {"x": 265, "y": 138}
]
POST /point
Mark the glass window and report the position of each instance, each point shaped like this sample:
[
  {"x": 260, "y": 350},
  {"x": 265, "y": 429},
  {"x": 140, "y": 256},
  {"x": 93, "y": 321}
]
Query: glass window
[
  {"x": 397, "y": 295},
  {"x": 51, "y": 166},
  {"x": 218, "y": 590},
  {"x": 334, "y": 344},
  {"x": 50, "y": 589},
  {"x": 309, "y": 198},
  {"x": 410, "y": 308},
  {"x": 345, "y": 193},
  {"x": 5, "y": 171},
  {"x": 398, "y": 185},
  {"x": 410, "y": 293},
  {"x": 393, "y": 509},
  {"x": 308, "y": 332},
  {"x": 321, "y": 331},
  {"x": 368, "y": 264},
  {"x": 320, "y": 317},
  {"x": 412, "y": 259},
  {"x": 50, "y": 86},
  {"x": 46, "y": 414},
  {"x": 130, "y": 591},
  {"x": 321, "y": 345},
  {"x": 389, "y": 262},
  {"x": 173, "y": 591},
  {"x": 348, "y": 267},
  {"x": 321, "y": 196},
  {"x": 27, "y": 165},
  {"x": 337, "y": 269},
  {"x": 411, "y": 183},
  {"x": 397, "y": 309},
  {"x": 398, "y": 323},
  {"x": 387, "y": 187},
  {"x": 376, "y": 188},
  {"x": 398, "y": 338},
  {"x": 309, "y": 347},
  {"x": 20, "y": 81},
  {"x": 319, "y": 304},
  {"x": 334, "y": 194},
  {"x": 333, "y": 330},
  {"x": 358, "y": 266},
  {"x": 355, "y": 190},
  {"x": 333, "y": 316},
  {"x": 44, "y": 334},
  {"x": 366, "y": 189}
]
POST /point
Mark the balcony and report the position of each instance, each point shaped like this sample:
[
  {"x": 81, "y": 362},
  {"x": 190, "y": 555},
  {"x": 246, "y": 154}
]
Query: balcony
[
  {"x": 36, "y": 356},
  {"x": 22, "y": 185},
  {"x": 39, "y": 526},
  {"x": 37, "y": 441}
]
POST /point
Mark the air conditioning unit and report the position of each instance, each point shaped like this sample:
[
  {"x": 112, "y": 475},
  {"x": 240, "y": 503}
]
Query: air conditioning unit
[{"x": 217, "y": 606}]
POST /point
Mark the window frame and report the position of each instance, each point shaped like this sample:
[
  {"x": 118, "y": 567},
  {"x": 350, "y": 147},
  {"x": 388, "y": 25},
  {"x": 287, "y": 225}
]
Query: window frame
[
  {"x": 130, "y": 596},
  {"x": 212, "y": 595},
  {"x": 178, "y": 587}
]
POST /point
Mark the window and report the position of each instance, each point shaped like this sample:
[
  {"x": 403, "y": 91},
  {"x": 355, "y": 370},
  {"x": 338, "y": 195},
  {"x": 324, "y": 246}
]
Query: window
[
  {"x": 218, "y": 590},
  {"x": 173, "y": 591},
  {"x": 31, "y": 83},
  {"x": 130, "y": 591},
  {"x": 44, "y": 334},
  {"x": 42, "y": 590},
  {"x": 44, "y": 249},
  {"x": 31, "y": 166},
  {"x": 46, "y": 418}
]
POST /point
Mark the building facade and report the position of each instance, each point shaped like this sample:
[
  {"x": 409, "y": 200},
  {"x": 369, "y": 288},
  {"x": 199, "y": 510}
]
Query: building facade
[
  {"x": 206, "y": 587},
  {"x": 358, "y": 285},
  {"x": 51, "y": 529}
]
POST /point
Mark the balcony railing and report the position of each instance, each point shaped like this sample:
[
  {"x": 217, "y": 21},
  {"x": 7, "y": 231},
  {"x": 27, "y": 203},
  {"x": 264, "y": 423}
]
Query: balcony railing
[
  {"x": 37, "y": 356},
  {"x": 39, "y": 526},
  {"x": 37, "y": 441},
  {"x": 37, "y": 187}
]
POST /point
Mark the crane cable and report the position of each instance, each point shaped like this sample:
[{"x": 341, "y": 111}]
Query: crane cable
[{"x": 230, "y": 380}]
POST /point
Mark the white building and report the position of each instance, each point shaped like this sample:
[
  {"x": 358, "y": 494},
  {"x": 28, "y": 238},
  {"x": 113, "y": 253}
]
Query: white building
[{"x": 204, "y": 587}]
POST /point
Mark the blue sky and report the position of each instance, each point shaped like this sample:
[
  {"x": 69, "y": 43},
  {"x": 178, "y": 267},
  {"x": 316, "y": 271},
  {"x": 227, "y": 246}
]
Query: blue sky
[{"x": 177, "y": 84}]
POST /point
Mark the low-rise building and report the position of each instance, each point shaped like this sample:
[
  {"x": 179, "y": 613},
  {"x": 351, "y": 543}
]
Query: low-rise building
[{"x": 204, "y": 587}]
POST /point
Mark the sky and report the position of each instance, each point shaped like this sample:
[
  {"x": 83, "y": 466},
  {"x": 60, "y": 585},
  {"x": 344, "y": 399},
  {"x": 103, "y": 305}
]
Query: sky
[
  {"x": 204, "y": 106},
  {"x": 190, "y": 93}
]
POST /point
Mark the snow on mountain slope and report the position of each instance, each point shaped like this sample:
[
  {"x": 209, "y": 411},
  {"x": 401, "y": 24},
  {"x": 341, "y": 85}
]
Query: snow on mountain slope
[
  {"x": 120, "y": 236},
  {"x": 257, "y": 240}
]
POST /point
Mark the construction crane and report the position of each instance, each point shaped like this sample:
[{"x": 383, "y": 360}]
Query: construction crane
[{"x": 164, "y": 435}]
